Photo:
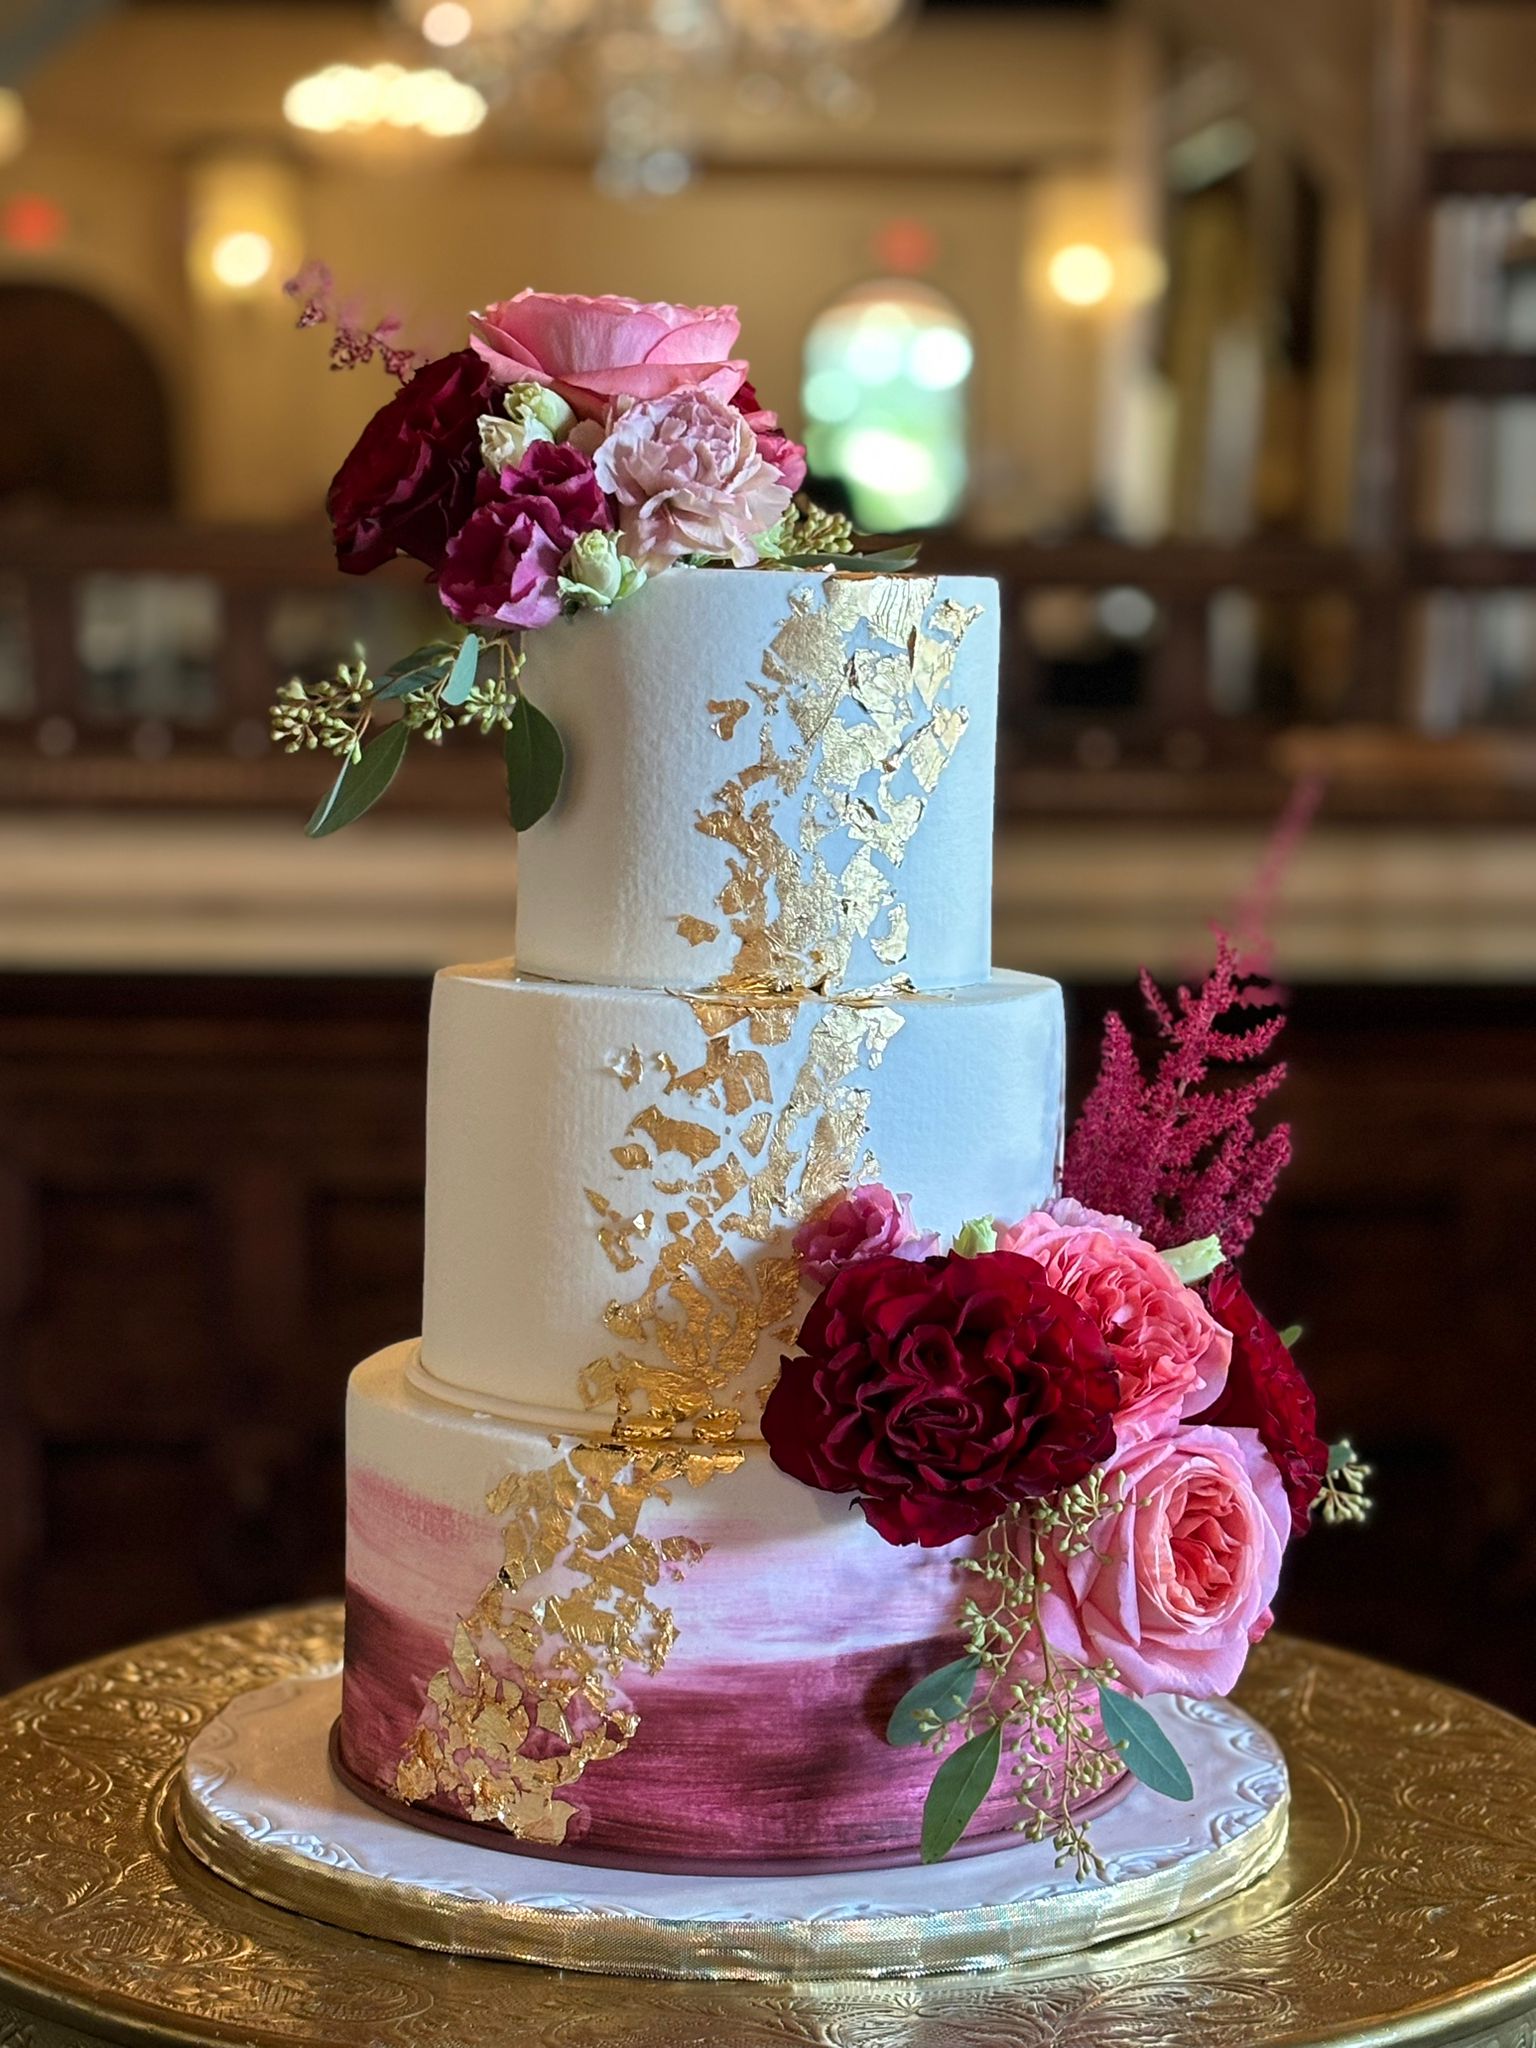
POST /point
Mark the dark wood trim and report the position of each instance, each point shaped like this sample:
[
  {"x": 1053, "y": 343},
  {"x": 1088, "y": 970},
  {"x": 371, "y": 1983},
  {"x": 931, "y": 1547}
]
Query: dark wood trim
[{"x": 1466, "y": 373}]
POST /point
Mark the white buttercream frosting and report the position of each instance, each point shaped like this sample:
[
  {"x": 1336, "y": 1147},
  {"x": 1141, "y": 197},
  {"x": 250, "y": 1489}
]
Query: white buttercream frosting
[
  {"x": 544, "y": 1097},
  {"x": 875, "y": 701}
]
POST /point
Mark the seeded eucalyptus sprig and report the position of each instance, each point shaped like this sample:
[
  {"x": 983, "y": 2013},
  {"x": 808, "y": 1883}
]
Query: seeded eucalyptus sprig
[
  {"x": 440, "y": 687},
  {"x": 1012, "y": 1695}
]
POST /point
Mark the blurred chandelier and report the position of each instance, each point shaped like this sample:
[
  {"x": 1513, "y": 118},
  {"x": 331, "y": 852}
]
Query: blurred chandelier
[{"x": 641, "y": 62}]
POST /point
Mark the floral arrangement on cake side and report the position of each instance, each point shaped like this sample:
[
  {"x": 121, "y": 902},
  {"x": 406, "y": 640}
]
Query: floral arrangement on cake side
[
  {"x": 576, "y": 448},
  {"x": 1088, "y": 1395}
]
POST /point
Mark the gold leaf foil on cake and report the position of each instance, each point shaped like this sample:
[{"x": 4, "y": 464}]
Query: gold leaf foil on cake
[
  {"x": 532, "y": 1692},
  {"x": 627, "y": 1066},
  {"x": 727, "y": 713},
  {"x": 862, "y": 679}
]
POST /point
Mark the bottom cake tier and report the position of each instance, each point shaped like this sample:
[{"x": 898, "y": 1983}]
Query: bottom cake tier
[{"x": 675, "y": 1657}]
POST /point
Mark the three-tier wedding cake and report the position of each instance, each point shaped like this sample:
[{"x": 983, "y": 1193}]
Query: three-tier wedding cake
[
  {"x": 809, "y": 1462},
  {"x": 753, "y": 972}
]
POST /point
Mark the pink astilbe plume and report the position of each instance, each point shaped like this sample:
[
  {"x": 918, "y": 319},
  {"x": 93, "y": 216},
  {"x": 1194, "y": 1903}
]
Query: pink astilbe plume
[
  {"x": 1178, "y": 1155},
  {"x": 355, "y": 341}
]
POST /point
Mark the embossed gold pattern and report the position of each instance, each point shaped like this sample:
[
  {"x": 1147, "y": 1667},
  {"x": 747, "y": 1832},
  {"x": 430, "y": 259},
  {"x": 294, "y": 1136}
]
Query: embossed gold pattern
[{"x": 1404, "y": 1911}]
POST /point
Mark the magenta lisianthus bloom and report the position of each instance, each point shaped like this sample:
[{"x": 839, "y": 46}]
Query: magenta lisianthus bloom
[
  {"x": 689, "y": 479},
  {"x": 1171, "y": 1353},
  {"x": 1177, "y": 1584},
  {"x": 409, "y": 482},
  {"x": 502, "y": 567},
  {"x": 866, "y": 1223},
  {"x": 593, "y": 351},
  {"x": 774, "y": 445}
]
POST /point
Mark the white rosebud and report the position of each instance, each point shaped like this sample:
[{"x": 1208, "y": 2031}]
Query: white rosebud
[
  {"x": 595, "y": 575},
  {"x": 538, "y": 402},
  {"x": 504, "y": 443}
]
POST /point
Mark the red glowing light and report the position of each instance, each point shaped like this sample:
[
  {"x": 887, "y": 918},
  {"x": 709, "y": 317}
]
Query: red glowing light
[
  {"x": 905, "y": 247},
  {"x": 32, "y": 221}
]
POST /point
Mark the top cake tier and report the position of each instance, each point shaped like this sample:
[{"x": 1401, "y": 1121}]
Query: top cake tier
[{"x": 776, "y": 779}]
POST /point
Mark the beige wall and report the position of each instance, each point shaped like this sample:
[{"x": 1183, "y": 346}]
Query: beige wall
[{"x": 164, "y": 119}]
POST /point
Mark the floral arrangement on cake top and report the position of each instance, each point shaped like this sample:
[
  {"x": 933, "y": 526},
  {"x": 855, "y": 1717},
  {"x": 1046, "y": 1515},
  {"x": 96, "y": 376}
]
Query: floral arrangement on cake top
[
  {"x": 576, "y": 448},
  {"x": 1088, "y": 1395}
]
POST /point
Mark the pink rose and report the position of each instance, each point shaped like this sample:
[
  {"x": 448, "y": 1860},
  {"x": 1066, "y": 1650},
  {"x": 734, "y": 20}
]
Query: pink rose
[
  {"x": 868, "y": 1223},
  {"x": 1177, "y": 1585},
  {"x": 502, "y": 566},
  {"x": 1169, "y": 1350},
  {"x": 689, "y": 479},
  {"x": 593, "y": 351}
]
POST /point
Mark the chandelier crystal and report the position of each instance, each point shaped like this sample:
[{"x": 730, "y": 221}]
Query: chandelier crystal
[{"x": 636, "y": 60}]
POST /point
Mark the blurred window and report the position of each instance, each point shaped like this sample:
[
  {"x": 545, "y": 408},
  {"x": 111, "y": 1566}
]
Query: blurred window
[
  {"x": 887, "y": 371},
  {"x": 147, "y": 645},
  {"x": 16, "y": 690}
]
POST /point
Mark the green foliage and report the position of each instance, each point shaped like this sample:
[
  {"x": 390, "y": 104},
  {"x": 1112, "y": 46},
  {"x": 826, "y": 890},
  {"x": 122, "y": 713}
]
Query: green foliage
[
  {"x": 361, "y": 782},
  {"x": 535, "y": 765},
  {"x": 1145, "y": 1749},
  {"x": 932, "y": 1703},
  {"x": 420, "y": 669},
  {"x": 461, "y": 677},
  {"x": 959, "y": 1786}
]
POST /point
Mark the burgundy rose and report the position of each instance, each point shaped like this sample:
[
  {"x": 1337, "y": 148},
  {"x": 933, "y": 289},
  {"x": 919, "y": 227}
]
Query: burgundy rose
[
  {"x": 773, "y": 444},
  {"x": 1265, "y": 1391},
  {"x": 409, "y": 483},
  {"x": 942, "y": 1391},
  {"x": 503, "y": 563}
]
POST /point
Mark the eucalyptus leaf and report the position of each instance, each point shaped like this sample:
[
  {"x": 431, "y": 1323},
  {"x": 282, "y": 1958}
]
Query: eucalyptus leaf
[
  {"x": 535, "y": 763},
  {"x": 887, "y": 559},
  {"x": 361, "y": 783},
  {"x": 461, "y": 677},
  {"x": 1291, "y": 1335},
  {"x": 943, "y": 1694},
  {"x": 959, "y": 1786},
  {"x": 413, "y": 671},
  {"x": 1144, "y": 1749}
]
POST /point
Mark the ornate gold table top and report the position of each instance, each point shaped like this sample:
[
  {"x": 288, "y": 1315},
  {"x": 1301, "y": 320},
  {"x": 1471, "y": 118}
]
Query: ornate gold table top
[{"x": 1404, "y": 1911}]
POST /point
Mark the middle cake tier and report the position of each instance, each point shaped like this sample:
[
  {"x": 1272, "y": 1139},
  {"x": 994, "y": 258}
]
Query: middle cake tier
[{"x": 613, "y": 1174}]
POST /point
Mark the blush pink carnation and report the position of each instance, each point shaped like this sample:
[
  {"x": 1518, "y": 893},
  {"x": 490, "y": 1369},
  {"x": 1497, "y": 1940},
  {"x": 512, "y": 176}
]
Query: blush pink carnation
[
  {"x": 1061, "y": 1210},
  {"x": 868, "y": 1223},
  {"x": 593, "y": 351},
  {"x": 689, "y": 479},
  {"x": 1169, "y": 1350},
  {"x": 1177, "y": 1584}
]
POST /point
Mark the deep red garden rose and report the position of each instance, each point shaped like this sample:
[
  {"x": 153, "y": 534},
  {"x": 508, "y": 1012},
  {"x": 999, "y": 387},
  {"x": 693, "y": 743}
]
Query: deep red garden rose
[
  {"x": 409, "y": 483},
  {"x": 1266, "y": 1391},
  {"x": 501, "y": 566},
  {"x": 941, "y": 1391}
]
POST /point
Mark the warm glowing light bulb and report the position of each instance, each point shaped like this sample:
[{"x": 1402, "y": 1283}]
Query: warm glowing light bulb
[
  {"x": 13, "y": 124},
  {"x": 1081, "y": 274},
  {"x": 241, "y": 259},
  {"x": 446, "y": 24},
  {"x": 356, "y": 98}
]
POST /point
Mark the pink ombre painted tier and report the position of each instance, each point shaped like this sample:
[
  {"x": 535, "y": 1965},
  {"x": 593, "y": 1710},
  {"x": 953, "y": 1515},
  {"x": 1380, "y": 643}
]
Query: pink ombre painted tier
[{"x": 760, "y": 1740}]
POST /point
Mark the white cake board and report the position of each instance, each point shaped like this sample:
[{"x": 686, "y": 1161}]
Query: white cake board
[{"x": 260, "y": 1805}]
